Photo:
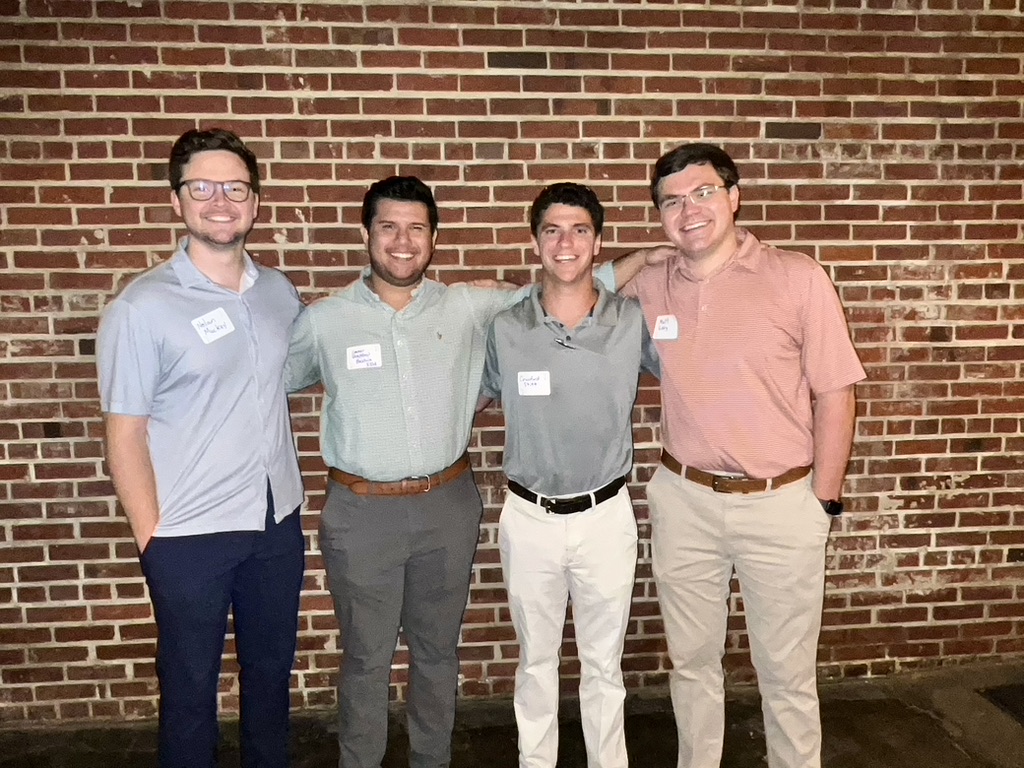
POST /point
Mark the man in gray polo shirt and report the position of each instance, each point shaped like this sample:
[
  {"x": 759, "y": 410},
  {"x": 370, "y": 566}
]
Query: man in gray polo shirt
[
  {"x": 199, "y": 446},
  {"x": 564, "y": 362}
]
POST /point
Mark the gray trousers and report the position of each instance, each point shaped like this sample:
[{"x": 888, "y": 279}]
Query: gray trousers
[{"x": 399, "y": 561}]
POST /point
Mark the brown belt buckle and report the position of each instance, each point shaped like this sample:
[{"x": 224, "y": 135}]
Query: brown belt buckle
[{"x": 715, "y": 481}]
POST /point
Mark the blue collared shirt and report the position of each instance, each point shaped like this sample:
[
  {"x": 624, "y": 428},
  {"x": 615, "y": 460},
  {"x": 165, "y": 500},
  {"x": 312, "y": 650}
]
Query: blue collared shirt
[{"x": 205, "y": 365}]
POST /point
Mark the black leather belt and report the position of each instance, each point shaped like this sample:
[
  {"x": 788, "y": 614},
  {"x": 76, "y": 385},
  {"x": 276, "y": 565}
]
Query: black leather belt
[{"x": 572, "y": 504}]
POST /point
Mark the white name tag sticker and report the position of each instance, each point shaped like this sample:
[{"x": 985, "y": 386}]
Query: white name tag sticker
[
  {"x": 364, "y": 356},
  {"x": 534, "y": 383},
  {"x": 213, "y": 325},
  {"x": 666, "y": 327}
]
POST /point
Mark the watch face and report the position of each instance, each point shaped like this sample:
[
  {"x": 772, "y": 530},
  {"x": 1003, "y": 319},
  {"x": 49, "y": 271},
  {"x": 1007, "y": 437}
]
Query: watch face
[{"x": 833, "y": 508}]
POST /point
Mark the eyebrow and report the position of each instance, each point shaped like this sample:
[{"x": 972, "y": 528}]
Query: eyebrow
[{"x": 551, "y": 225}]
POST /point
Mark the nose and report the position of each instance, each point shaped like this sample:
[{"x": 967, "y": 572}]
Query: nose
[
  {"x": 402, "y": 235},
  {"x": 218, "y": 195}
]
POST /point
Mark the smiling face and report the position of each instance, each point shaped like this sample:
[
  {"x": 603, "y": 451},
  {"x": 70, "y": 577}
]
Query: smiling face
[
  {"x": 704, "y": 232},
  {"x": 567, "y": 243},
  {"x": 217, "y": 223},
  {"x": 399, "y": 242}
]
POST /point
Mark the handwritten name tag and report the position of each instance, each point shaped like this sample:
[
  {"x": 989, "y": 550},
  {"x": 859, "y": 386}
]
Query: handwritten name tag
[
  {"x": 213, "y": 325},
  {"x": 666, "y": 327},
  {"x": 534, "y": 383},
  {"x": 364, "y": 356}
]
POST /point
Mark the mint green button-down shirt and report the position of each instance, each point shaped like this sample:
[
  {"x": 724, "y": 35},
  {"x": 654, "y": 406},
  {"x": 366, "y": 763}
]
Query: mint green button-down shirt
[{"x": 400, "y": 387}]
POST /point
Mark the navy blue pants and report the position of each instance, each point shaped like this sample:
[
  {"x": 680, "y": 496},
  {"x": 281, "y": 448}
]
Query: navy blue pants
[{"x": 193, "y": 580}]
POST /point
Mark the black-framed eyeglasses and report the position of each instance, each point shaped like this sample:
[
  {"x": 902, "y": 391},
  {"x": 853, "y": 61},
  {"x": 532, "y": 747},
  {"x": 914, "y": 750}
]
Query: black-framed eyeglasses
[
  {"x": 202, "y": 190},
  {"x": 697, "y": 196}
]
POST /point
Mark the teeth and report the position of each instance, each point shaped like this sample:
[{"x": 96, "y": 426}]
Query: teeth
[
  {"x": 402, "y": 256},
  {"x": 691, "y": 227}
]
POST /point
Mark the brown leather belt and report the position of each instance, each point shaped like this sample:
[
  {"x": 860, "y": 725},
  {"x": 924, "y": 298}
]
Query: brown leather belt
[
  {"x": 732, "y": 484},
  {"x": 408, "y": 486}
]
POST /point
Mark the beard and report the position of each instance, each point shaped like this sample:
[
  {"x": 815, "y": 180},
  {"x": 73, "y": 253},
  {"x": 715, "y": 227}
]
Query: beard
[
  {"x": 219, "y": 243},
  {"x": 397, "y": 281}
]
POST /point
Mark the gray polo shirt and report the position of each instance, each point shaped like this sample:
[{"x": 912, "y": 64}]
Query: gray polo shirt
[
  {"x": 206, "y": 364},
  {"x": 568, "y": 393}
]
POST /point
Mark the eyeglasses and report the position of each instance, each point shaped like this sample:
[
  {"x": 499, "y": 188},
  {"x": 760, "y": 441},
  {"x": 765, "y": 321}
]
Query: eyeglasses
[
  {"x": 201, "y": 190},
  {"x": 697, "y": 196}
]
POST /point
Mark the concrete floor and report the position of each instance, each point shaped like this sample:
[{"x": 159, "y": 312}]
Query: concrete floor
[{"x": 939, "y": 719}]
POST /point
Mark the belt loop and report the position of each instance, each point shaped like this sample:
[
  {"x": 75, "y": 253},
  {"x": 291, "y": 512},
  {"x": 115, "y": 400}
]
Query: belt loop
[
  {"x": 768, "y": 483},
  {"x": 593, "y": 500}
]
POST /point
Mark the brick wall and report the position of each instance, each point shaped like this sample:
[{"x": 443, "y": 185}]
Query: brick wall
[{"x": 881, "y": 136}]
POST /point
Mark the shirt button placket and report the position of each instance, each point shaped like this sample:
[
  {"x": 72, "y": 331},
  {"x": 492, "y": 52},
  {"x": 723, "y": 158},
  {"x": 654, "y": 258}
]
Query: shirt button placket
[{"x": 407, "y": 387}]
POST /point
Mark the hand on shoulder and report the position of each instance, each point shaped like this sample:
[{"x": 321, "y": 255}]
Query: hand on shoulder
[{"x": 659, "y": 254}]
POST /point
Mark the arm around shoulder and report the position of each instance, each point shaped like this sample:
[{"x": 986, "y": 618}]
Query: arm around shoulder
[{"x": 629, "y": 266}]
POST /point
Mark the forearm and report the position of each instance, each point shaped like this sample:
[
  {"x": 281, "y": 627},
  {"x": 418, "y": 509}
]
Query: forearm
[
  {"x": 131, "y": 469},
  {"x": 834, "y": 414},
  {"x": 627, "y": 267}
]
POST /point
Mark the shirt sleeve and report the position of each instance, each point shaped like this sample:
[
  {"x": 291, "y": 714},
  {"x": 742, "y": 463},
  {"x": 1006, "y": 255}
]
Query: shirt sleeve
[
  {"x": 829, "y": 359},
  {"x": 649, "y": 360},
  {"x": 127, "y": 361},
  {"x": 490, "y": 386},
  {"x": 605, "y": 274},
  {"x": 302, "y": 368},
  {"x": 485, "y": 303}
]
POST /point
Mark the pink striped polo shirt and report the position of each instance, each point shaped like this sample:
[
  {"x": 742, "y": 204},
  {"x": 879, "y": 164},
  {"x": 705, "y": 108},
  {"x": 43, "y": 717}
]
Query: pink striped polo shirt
[{"x": 753, "y": 342}]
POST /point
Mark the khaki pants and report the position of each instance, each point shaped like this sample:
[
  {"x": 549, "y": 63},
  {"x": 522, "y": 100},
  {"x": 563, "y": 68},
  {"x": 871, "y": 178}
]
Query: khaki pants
[
  {"x": 776, "y": 542},
  {"x": 546, "y": 559}
]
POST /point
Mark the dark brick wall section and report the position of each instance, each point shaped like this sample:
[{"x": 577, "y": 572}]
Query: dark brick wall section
[{"x": 793, "y": 131}]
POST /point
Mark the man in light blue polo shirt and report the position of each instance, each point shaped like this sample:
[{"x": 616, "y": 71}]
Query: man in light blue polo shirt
[
  {"x": 199, "y": 446},
  {"x": 565, "y": 362}
]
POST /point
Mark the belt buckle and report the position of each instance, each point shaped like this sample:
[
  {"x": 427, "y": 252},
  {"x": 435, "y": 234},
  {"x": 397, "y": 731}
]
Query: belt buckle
[
  {"x": 420, "y": 478},
  {"x": 715, "y": 479},
  {"x": 549, "y": 505}
]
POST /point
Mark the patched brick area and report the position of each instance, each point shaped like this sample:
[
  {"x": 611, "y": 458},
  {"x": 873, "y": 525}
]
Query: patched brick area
[{"x": 883, "y": 137}]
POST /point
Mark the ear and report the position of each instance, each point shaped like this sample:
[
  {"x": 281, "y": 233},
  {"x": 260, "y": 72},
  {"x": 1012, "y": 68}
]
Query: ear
[
  {"x": 175, "y": 203},
  {"x": 255, "y": 206},
  {"x": 366, "y": 237},
  {"x": 536, "y": 246},
  {"x": 734, "y": 198},
  {"x": 597, "y": 245}
]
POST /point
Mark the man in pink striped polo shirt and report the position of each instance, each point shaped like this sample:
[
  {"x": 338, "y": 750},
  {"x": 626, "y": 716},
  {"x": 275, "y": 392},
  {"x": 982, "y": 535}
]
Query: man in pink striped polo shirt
[{"x": 758, "y": 372}]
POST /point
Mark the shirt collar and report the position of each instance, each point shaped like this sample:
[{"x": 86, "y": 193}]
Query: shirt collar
[
  {"x": 605, "y": 311},
  {"x": 368, "y": 295},
  {"x": 189, "y": 276}
]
